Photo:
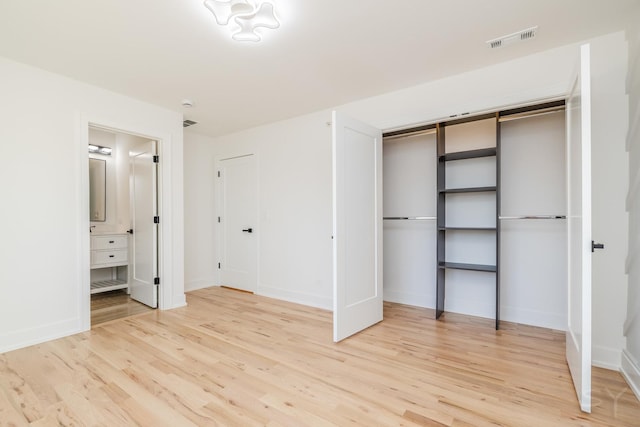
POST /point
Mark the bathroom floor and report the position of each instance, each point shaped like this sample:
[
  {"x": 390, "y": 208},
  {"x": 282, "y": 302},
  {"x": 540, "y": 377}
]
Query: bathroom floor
[{"x": 113, "y": 305}]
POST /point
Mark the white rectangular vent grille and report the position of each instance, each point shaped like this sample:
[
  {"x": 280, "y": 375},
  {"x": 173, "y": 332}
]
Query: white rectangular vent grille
[{"x": 518, "y": 36}]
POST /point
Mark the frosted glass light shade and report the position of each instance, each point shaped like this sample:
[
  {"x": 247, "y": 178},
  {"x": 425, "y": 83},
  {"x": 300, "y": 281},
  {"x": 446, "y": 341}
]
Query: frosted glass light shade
[
  {"x": 247, "y": 17},
  {"x": 263, "y": 17}
]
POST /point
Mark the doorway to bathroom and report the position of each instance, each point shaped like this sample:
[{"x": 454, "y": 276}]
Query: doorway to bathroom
[{"x": 124, "y": 224}]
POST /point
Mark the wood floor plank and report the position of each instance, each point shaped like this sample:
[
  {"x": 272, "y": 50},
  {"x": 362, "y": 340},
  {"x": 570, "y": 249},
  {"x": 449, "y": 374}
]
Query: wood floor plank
[
  {"x": 113, "y": 305},
  {"x": 236, "y": 359}
]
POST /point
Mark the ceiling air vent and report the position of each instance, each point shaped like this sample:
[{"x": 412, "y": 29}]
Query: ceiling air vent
[
  {"x": 187, "y": 123},
  {"x": 518, "y": 36}
]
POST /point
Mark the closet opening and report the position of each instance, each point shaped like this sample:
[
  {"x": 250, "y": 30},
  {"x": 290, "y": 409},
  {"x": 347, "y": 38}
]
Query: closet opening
[{"x": 474, "y": 216}]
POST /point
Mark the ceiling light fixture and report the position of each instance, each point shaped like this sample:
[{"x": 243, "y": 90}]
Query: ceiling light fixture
[{"x": 244, "y": 17}]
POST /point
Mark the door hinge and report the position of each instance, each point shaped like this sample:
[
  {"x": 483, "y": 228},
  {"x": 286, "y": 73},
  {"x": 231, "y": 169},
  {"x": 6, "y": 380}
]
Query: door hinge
[
  {"x": 156, "y": 281},
  {"x": 218, "y": 266},
  {"x": 218, "y": 219},
  {"x": 156, "y": 220},
  {"x": 218, "y": 174},
  {"x": 156, "y": 159}
]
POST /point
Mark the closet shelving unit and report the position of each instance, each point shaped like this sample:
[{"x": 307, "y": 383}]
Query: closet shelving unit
[
  {"x": 493, "y": 191},
  {"x": 444, "y": 158}
]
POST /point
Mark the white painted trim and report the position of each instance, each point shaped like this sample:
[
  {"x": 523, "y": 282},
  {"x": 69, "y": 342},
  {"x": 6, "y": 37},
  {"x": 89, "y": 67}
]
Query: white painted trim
[
  {"x": 632, "y": 255},
  {"x": 296, "y": 297},
  {"x": 607, "y": 358},
  {"x": 634, "y": 125},
  {"x": 83, "y": 291},
  {"x": 166, "y": 298},
  {"x": 631, "y": 372},
  {"x": 409, "y": 298},
  {"x": 630, "y": 321},
  {"x": 194, "y": 285},
  {"x": 634, "y": 186},
  {"x": 634, "y": 67},
  {"x": 627, "y": 323},
  {"x": 31, "y": 336}
]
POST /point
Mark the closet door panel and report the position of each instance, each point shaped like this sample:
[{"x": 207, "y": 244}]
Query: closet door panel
[
  {"x": 533, "y": 263},
  {"x": 409, "y": 191}
]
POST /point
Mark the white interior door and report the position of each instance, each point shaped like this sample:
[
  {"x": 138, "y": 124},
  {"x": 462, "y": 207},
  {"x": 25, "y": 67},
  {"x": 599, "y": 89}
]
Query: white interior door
[
  {"x": 357, "y": 226},
  {"x": 238, "y": 220},
  {"x": 144, "y": 208},
  {"x": 578, "y": 340}
]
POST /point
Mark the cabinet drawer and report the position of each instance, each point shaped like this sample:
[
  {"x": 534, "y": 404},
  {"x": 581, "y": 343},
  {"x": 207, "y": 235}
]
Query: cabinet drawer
[
  {"x": 117, "y": 256},
  {"x": 108, "y": 242}
]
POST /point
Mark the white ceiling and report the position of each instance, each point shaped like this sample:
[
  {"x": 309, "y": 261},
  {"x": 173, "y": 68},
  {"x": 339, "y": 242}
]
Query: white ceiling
[{"x": 326, "y": 52}]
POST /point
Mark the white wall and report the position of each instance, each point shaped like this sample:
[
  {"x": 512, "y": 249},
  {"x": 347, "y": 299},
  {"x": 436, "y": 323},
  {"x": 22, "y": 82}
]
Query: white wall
[
  {"x": 294, "y": 226},
  {"x": 295, "y": 169},
  {"x": 44, "y": 279},
  {"x": 609, "y": 188},
  {"x": 631, "y": 353},
  {"x": 200, "y": 252}
]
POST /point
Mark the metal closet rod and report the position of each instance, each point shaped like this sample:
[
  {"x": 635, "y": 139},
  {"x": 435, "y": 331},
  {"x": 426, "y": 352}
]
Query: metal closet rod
[
  {"x": 430, "y": 131},
  {"x": 397, "y": 218},
  {"x": 534, "y": 217},
  {"x": 533, "y": 113}
]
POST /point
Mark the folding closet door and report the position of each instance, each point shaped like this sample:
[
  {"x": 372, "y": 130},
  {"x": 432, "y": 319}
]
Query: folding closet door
[
  {"x": 533, "y": 225},
  {"x": 409, "y": 226}
]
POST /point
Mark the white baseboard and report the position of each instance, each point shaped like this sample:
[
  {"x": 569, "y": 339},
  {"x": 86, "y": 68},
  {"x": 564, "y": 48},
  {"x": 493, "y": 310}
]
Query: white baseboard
[
  {"x": 534, "y": 318},
  {"x": 296, "y": 297},
  {"x": 631, "y": 372},
  {"x": 27, "y": 337},
  {"x": 177, "y": 302},
  {"x": 407, "y": 298},
  {"x": 604, "y": 357},
  {"x": 194, "y": 285}
]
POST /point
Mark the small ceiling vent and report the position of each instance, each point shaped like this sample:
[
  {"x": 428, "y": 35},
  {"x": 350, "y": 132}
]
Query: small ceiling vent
[
  {"x": 518, "y": 36},
  {"x": 187, "y": 123}
]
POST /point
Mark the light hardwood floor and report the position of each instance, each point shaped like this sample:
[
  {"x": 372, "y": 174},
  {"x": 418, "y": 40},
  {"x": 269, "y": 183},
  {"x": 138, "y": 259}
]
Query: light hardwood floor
[
  {"x": 231, "y": 358},
  {"x": 114, "y": 305}
]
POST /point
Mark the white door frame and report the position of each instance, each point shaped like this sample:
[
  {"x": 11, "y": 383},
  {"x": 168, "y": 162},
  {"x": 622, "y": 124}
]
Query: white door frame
[
  {"x": 165, "y": 289},
  {"x": 218, "y": 211}
]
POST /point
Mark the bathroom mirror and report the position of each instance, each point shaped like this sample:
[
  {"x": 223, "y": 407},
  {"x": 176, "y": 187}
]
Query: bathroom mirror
[{"x": 97, "y": 190}]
